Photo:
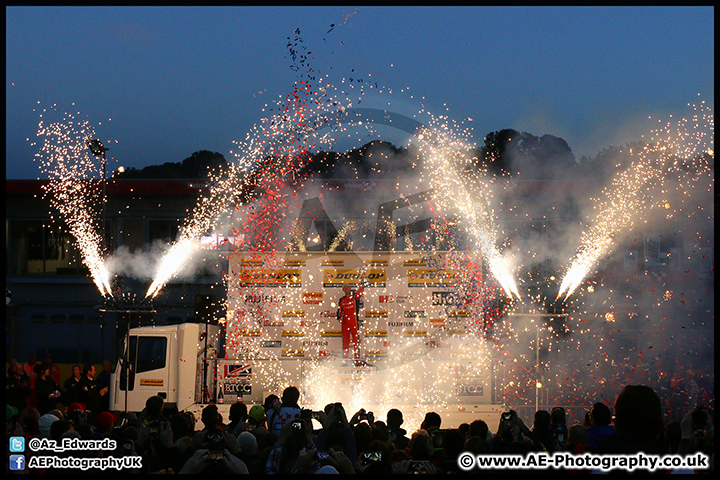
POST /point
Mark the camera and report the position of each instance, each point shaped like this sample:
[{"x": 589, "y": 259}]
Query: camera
[
  {"x": 216, "y": 444},
  {"x": 509, "y": 415},
  {"x": 419, "y": 467},
  {"x": 370, "y": 457},
  {"x": 154, "y": 427},
  {"x": 321, "y": 455},
  {"x": 297, "y": 425}
]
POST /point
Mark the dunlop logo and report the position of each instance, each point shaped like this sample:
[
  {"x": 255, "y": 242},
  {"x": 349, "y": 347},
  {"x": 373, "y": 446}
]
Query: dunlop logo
[
  {"x": 376, "y": 314},
  {"x": 331, "y": 333},
  {"x": 376, "y": 263},
  {"x": 415, "y": 333},
  {"x": 332, "y": 263},
  {"x": 292, "y": 333},
  {"x": 152, "y": 382},
  {"x": 293, "y": 313},
  {"x": 415, "y": 262},
  {"x": 376, "y": 333},
  {"x": 249, "y": 333},
  {"x": 292, "y": 353},
  {"x": 340, "y": 278},
  {"x": 376, "y": 353},
  {"x": 295, "y": 263},
  {"x": 459, "y": 313}
]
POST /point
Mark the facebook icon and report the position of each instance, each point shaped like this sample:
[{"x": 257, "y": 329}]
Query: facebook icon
[{"x": 17, "y": 462}]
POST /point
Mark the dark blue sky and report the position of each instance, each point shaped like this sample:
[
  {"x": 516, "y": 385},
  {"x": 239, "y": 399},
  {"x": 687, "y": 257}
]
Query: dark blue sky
[{"x": 166, "y": 82}]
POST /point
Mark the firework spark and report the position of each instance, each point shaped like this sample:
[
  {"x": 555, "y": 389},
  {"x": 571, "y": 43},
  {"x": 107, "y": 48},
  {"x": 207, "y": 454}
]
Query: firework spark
[
  {"x": 65, "y": 159},
  {"x": 673, "y": 149}
]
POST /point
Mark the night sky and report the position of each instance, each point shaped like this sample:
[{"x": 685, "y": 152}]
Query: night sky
[{"x": 161, "y": 83}]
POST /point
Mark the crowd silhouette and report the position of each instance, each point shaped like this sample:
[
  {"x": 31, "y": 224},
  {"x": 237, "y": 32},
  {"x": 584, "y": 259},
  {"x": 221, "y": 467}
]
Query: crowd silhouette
[{"x": 282, "y": 437}]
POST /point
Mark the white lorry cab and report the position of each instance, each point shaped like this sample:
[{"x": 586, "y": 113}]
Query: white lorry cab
[{"x": 173, "y": 362}]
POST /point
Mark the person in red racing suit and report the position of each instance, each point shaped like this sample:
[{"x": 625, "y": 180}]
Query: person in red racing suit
[{"x": 348, "y": 319}]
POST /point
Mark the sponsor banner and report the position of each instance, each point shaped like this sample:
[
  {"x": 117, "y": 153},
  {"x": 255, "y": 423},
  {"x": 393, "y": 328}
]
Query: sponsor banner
[
  {"x": 376, "y": 333},
  {"x": 426, "y": 277},
  {"x": 407, "y": 323},
  {"x": 436, "y": 344},
  {"x": 437, "y": 322},
  {"x": 459, "y": 331},
  {"x": 329, "y": 314},
  {"x": 353, "y": 278},
  {"x": 294, "y": 263},
  {"x": 332, "y": 263},
  {"x": 273, "y": 323},
  {"x": 470, "y": 388},
  {"x": 376, "y": 262},
  {"x": 331, "y": 333},
  {"x": 414, "y": 314},
  {"x": 239, "y": 388},
  {"x": 293, "y": 333},
  {"x": 271, "y": 344},
  {"x": 415, "y": 333},
  {"x": 314, "y": 343},
  {"x": 293, "y": 353},
  {"x": 458, "y": 313},
  {"x": 403, "y": 298},
  {"x": 386, "y": 298},
  {"x": 293, "y": 313},
  {"x": 153, "y": 382},
  {"x": 249, "y": 333},
  {"x": 312, "y": 298},
  {"x": 376, "y": 353},
  {"x": 414, "y": 262},
  {"x": 269, "y": 278},
  {"x": 443, "y": 299},
  {"x": 264, "y": 299},
  {"x": 376, "y": 314}
]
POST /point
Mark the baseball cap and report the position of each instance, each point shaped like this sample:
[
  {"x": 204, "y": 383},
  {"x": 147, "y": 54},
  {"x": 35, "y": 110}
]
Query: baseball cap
[
  {"x": 105, "y": 419},
  {"x": 257, "y": 413},
  {"x": 73, "y": 407}
]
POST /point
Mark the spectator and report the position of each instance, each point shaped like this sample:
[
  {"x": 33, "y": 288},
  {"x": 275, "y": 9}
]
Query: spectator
[
  {"x": 513, "y": 437},
  {"x": 90, "y": 392},
  {"x": 294, "y": 436},
  {"x": 577, "y": 439},
  {"x": 558, "y": 426},
  {"x": 258, "y": 427},
  {"x": 431, "y": 422},
  {"x": 638, "y": 423},
  {"x": 54, "y": 369},
  {"x": 105, "y": 422},
  {"x": 29, "y": 370},
  {"x": 394, "y": 421},
  {"x": 17, "y": 388},
  {"x": 480, "y": 429},
  {"x": 542, "y": 430},
  {"x": 48, "y": 392},
  {"x": 44, "y": 424},
  {"x": 103, "y": 381},
  {"x": 238, "y": 418},
  {"x": 71, "y": 387},
  {"x": 452, "y": 446},
  {"x": 600, "y": 428},
  {"x": 285, "y": 411}
]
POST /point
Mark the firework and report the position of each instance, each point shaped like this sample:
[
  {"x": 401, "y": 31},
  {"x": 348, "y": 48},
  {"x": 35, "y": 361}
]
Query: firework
[
  {"x": 673, "y": 149},
  {"x": 65, "y": 159}
]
